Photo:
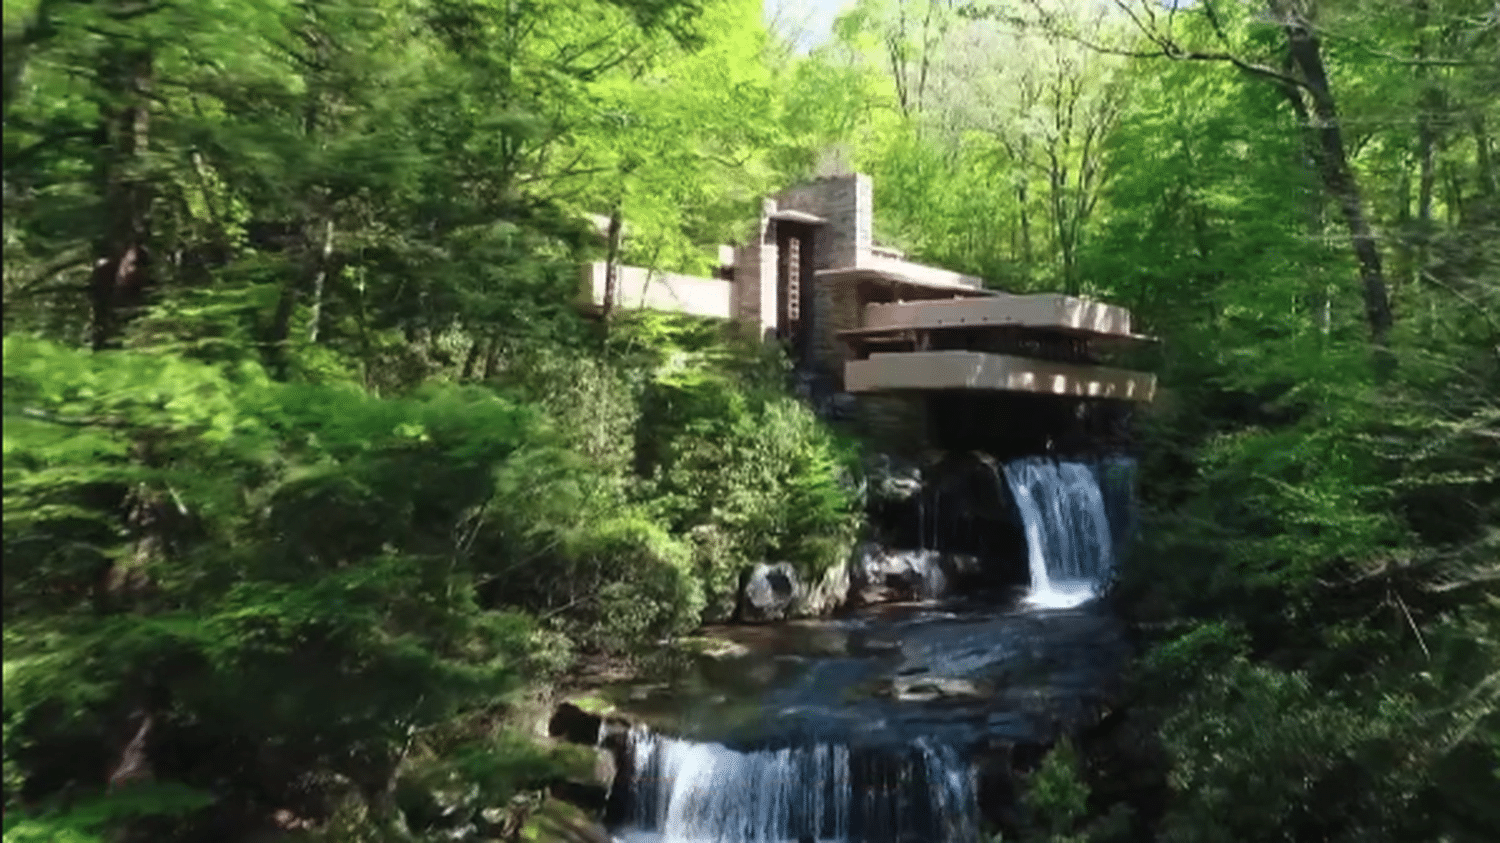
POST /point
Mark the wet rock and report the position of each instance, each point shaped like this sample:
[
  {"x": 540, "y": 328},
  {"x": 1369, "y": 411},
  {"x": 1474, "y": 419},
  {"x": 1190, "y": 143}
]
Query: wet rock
[
  {"x": 881, "y": 575},
  {"x": 999, "y": 787},
  {"x": 714, "y": 648},
  {"x": 936, "y": 688},
  {"x": 829, "y": 593},
  {"x": 557, "y": 821},
  {"x": 891, "y": 479},
  {"x": 770, "y": 592},
  {"x": 960, "y": 565},
  {"x": 843, "y": 406},
  {"x": 573, "y": 724},
  {"x": 590, "y": 796}
]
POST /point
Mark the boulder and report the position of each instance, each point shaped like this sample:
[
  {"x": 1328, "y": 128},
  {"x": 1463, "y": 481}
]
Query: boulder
[
  {"x": 827, "y": 594},
  {"x": 880, "y": 575},
  {"x": 770, "y": 592},
  {"x": 937, "y": 688},
  {"x": 959, "y": 566},
  {"x": 891, "y": 479},
  {"x": 574, "y": 725}
]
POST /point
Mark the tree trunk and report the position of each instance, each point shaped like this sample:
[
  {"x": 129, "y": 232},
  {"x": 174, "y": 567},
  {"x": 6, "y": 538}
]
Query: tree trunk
[
  {"x": 492, "y": 358},
  {"x": 320, "y": 276},
  {"x": 612, "y": 265},
  {"x": 1023, "y": 199},
  {"x": 1426, "y": 136},
  {"x": 470, "y": 359},
  {"x": 126, "y": 586},
  {"x": 280, "y": 329},
  {"x": 1485, "y": 158},
  {"x": 1338, "y": 179},
  {"x": 121, "y": 277},
  {"x": 18, "y": 46}
]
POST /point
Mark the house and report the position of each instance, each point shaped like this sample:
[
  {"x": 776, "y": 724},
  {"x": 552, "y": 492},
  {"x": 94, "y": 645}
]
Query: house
[{"x": 894, "y": 342}]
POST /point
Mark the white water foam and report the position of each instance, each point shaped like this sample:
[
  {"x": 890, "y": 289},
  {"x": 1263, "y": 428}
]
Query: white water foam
[
  {"x": 1070, "y": 549},
  {"x": 685, "y": 792}
]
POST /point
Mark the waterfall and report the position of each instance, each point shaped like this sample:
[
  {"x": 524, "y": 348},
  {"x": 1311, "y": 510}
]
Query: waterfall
[
  {"x": 685, "y": 792},
  {"x": 1072, "y": 534}
]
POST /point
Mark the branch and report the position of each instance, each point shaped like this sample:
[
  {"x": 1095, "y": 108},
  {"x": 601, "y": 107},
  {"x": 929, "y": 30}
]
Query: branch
[
  {"x": 1484, "y": 312},
  {"x": 126, "y": 14},
  {"x": 50, "y": 271},
  {"x": 1166, "y": 47},
  {"x": 42, "y": 415},
  {"x": 26, "y": 153}
]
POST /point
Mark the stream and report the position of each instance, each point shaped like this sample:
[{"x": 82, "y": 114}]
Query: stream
[{"x": 884, "y": 725}]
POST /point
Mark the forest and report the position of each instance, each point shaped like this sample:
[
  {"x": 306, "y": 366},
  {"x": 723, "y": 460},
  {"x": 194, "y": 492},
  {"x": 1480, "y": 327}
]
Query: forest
[{"x": 318, "y": 483}]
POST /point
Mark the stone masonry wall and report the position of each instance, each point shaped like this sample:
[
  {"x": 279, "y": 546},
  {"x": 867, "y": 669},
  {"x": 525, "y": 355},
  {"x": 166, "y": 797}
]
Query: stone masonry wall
[
  {"x": 847, "y": 203},
  {"x": 755, "y": 302},
  {"x": 835, "y": 308},
  {"x": 896, "y": 423}
]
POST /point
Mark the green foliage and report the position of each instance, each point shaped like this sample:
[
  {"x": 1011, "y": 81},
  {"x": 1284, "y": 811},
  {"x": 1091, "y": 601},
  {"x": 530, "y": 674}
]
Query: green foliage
[
  {"x": 86, "y": 819},
  {"x": 356, "y": 469},
  {"x": 746, "y": 472},
  {"x": 305, "y": 587},
  {"x": 1257, "y": 748},
  {"x": 1057, "y": 795},
  {"x": 453, "y": 779}
]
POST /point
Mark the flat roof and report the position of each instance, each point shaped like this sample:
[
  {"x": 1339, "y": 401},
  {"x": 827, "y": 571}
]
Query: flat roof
[
  {"x": 790, "y": 215},
  {"x": 898, "y": 278},
  {"x": 1053, "y": 311},
  {"x": 923, "y": 371}
]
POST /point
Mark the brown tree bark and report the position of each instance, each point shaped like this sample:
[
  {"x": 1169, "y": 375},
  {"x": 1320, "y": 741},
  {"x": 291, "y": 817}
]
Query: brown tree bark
[
  {"x": 470, "y": 359},
  {"x": 121, "y": 278},
  {"x": 1305, "y": 52},
  {"x": 126, "y": 586},
  {"x": 612, "y": 264},
  {"x": 320, "y": 279},
  {"x": 1489, "y": 185}
]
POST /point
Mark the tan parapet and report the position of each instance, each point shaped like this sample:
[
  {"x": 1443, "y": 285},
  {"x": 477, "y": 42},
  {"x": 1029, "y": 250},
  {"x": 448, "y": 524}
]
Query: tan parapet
[
  {"x": 972, "y": 370},
  {"x": 1042, "y": 310}
]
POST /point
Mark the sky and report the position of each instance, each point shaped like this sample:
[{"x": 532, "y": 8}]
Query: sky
[{"x": 813, "y": 17}]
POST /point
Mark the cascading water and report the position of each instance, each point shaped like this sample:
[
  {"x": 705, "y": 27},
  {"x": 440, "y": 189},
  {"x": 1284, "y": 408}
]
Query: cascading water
[
  {"x": 1070, "y": 538},
  {"x": 869, "y": 735},
  {"x": 685, "y": 792}
]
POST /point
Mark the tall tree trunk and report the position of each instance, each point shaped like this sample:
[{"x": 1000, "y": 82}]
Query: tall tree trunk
[
  {"x": 320, "y": 277},
  {"x": 1406, "y": 253},
  {"x": 1306, "y": 54},
  {"x": 470, "y": 359},
  {"x": 1023, "y": 199},
  {"x": 1428, "y": 97},
  {"x": 612, "y": 264},
  {"x": 121, "y": 277},
  {"x": 317, "y": 219},
  {"x": 126, "y": 586},
  {"x": 1484, "y": 153}
]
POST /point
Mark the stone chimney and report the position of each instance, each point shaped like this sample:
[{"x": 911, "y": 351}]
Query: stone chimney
[
  {"x": 755, "y": 302},
  {"x": 848, "y": 204}
]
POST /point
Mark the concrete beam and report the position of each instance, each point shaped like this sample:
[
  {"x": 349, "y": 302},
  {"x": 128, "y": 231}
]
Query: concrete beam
[
  {"x": 643, "y": 289},
  {"x": 965, "y": 370},
  {"x": 919, "y": 273},
  {"x": 909, "y": 279},
  {"x": 1044, "y": 310}
]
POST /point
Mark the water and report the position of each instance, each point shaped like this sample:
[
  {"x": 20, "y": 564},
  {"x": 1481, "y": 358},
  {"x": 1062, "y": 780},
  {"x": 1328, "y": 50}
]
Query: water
[
  {"x": 866, "y": 729},
  {"x": 1070, "y": 544},
  {"x": 690, "y": 792}
]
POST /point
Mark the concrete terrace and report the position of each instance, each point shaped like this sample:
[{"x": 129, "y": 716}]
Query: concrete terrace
[{"x": 863, "y": 318}]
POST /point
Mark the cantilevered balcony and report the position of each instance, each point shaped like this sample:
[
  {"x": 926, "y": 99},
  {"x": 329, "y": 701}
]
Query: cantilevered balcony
[
  {"x": 1047, "y": 344},
  {"x": 934, "y": 371}
]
